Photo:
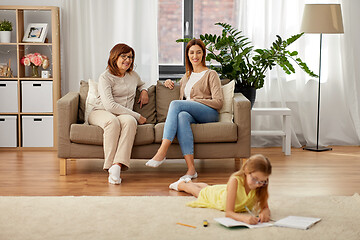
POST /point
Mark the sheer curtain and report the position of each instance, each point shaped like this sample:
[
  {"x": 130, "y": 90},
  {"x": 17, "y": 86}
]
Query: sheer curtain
[
  {"x": 261, "y": 21},
  {"x": 90, "y": 28}
]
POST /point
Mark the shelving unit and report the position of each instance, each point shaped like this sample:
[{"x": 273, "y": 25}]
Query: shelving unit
[{"x": 21, "y": 16}]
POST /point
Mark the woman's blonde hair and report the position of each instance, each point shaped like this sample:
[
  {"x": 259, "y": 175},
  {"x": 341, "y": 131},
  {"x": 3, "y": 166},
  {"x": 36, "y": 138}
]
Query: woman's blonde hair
[{"x": 257, "y": 163}]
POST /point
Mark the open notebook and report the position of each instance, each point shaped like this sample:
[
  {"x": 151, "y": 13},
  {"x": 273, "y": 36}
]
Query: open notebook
[
  {"x": 229, "y": 222},
  {"x": 290, "y": 221}
]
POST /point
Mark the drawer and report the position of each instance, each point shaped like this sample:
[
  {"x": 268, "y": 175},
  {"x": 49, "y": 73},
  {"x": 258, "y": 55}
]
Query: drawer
[
  {"x": 8, "y": 96},
  {"x": 37, "y": 96},
  {"x": 37, "y": 131},
  {"x": 8, "y": 130}
]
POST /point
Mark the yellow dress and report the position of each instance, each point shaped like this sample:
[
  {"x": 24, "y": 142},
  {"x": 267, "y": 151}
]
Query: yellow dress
[{"x": 215, "y": 197}]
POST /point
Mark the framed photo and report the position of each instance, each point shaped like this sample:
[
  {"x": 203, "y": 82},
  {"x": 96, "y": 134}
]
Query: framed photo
[{"x": 36, "y": 32}]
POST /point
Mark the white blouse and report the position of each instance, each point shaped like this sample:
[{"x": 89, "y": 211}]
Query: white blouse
[{"x": 194, "y": 78}]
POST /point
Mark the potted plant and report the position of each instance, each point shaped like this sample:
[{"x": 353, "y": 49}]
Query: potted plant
[
  {"x": 5, "y": 31},
  {"x": 239, "y": 60}
]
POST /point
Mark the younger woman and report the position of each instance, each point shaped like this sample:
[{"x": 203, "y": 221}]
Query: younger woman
[
  {"x": 201, "y": 87},
  {"x": 247, "y": 188}
]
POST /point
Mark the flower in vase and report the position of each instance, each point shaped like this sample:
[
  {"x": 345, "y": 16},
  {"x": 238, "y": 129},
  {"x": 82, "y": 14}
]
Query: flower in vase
[
  {"x": 25, "y": 61},
  {"x": 45, "y": 64},
  {"x": 35, "y": 59}
]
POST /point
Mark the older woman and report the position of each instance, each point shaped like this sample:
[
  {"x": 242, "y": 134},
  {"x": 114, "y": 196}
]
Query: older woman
[
  {"x": 201, "y": 87},
  {"x": 114, "y": 114}
]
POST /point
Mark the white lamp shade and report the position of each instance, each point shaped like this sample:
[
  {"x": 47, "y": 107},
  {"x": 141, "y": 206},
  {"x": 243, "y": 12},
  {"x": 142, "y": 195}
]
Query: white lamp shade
[{"x": 322, "y": 18}]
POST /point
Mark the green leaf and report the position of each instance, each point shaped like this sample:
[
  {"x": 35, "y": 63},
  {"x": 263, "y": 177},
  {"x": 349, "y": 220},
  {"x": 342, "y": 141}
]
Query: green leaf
[
  {"x": 183, "y": 40},
  {"x": 294, "y": 53},
  {"x": 240, "y": 61}
]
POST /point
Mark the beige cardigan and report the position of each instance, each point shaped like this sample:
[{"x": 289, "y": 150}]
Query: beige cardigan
[
  {"x": 206, "y": 91},
  {"x": 117, "y": 94}
]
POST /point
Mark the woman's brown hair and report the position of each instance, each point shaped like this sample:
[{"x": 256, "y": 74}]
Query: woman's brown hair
[
  {"x": 257, "y": 163},
  {"x": 115, "y": 53},
  {"x": 188, "y": 65}
]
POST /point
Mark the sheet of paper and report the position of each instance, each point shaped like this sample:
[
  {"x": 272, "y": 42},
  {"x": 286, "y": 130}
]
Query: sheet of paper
[
  {"x": 297, "y": 222},
  {"x": 229, "y": 222}
]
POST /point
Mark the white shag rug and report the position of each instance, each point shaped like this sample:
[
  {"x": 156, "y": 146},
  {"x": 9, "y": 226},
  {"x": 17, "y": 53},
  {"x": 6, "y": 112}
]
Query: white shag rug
[{"x": 86, "y": 218}]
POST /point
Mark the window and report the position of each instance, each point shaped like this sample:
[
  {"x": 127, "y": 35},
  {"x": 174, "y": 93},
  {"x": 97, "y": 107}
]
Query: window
[
  {"x": 188, "y": 18},
  {"x": 170, "y": 23}
]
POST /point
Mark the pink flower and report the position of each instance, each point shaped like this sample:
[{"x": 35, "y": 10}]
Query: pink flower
[
  {"x": 26, "y": 62},
  {"x": 37, "y": 61}
]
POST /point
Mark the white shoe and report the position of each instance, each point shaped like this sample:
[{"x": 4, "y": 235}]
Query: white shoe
[
  {"x": 153, "y": 163},
  {"x": 189, "y": 176},
  {"x": 174, "y": 185},
  {"x": 114, "y": 174}
]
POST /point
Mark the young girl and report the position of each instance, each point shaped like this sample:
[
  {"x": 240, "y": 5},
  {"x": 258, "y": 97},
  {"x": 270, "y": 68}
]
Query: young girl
[{"x": 247, "y": 188}]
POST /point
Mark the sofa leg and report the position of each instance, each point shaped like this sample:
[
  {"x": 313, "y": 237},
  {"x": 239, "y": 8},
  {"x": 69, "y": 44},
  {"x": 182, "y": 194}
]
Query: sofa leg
[
  {"x": 239, "y": 162},
  {"x": 63, "y": 166}
]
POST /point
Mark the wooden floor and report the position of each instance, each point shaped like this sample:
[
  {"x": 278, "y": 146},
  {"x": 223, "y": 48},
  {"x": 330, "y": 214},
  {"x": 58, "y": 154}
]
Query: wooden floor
[{"x": 304, "y": 173}]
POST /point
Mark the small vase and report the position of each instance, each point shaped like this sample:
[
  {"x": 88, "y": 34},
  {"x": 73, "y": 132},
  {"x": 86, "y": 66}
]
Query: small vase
[
  {"x": 35, "y": 71},
  {"x": 5, "y": 36}
]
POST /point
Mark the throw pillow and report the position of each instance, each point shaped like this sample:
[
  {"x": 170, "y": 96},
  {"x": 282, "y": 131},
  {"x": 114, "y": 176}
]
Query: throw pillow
[
  {"x": 148, "y": 111},
  {"x": 224, "y": 81},
  {"x": 164, "y": 96},
  {"x": 84, "y": 89},
  {"x": 91, "y": 99},
  {"x": 226, "y": 112}
]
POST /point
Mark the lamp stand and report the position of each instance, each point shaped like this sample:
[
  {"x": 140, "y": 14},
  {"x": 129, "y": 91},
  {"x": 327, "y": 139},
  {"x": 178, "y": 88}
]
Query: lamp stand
[{"x": 317, "y": 148}]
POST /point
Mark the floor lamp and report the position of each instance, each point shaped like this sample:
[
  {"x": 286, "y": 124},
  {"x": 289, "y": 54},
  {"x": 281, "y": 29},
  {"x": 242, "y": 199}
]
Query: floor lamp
[{"x": 321, "y": 18}]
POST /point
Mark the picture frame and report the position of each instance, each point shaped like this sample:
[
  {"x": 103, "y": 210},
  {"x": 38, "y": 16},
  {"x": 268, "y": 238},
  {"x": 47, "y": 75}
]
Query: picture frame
[{"x": 36, "y": 32}]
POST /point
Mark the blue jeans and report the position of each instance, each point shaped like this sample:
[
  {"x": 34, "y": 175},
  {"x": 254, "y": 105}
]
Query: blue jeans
[{"x": 180, "y": 115}]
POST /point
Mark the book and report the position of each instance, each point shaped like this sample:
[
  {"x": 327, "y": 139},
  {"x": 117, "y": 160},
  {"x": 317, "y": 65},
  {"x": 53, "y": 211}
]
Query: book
[
  {"x": 290, "y": 222},
  {"x": 297, "y": 222},
  {"x": 229, "y": 222}
]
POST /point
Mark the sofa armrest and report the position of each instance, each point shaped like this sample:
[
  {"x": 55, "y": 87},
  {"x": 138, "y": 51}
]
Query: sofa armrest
[
  {"x": 67, "y": 107},
  {"x": 242, "y": 118}
]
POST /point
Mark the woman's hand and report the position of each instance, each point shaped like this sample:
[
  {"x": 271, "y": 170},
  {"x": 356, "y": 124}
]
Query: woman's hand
[
  {"x": 169, "y": 84},
  {"x": 264, "y": 215},
  {"x": 141, "y": 120},
  {"x": 144, "y": 98}
]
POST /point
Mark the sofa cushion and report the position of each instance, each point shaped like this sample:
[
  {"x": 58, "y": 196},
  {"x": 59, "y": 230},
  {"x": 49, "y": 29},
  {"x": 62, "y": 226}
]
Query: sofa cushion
[
  {"x": 92, "y": 98},
  {"x": 93, "y": 135},
  {"x": 84, "y": 88},
  {"x": 164, "y": 96},
  {"x": 226, "y": 112},
  {"x": 148, "y": 111},
  {"x": 86, "y": 134},
  {"x": 206, "y": 132}
]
